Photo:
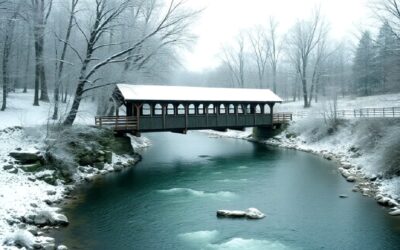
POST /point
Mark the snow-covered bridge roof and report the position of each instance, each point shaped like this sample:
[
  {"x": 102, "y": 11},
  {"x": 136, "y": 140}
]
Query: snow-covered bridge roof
[{"x": 184, "y": 93}]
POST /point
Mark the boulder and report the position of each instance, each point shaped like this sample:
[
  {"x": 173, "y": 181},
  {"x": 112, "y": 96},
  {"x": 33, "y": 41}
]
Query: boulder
[
  {"x": 8, "y": 167},
  {"x": 59, "y": 220},
  {"x": 351, "y": 179},
  {"x": 395, "y": 212},
  {"x": 26, "y": 157},
  {"x": 108, "y": 157},
  {"x": 31, "y": 167},
  {"x": 343, "y": 196},
  {"x": 118, "y": 167},
  {"x": 254, "y": 213},
  {"x": 251, "y": 213},
  {"x": 233, "y": 213},
  {"x": 13, "y": 171},
  {"x": 62, "y": 247}
]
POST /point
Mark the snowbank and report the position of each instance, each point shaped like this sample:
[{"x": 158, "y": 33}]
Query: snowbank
[{"x": 367, "y": 150}]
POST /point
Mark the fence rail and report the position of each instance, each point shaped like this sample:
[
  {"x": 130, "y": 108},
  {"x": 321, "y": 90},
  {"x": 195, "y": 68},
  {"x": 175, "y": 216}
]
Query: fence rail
[
  {"x": 388, "y": 112},
  {"x": 117, "y": 122},
  {"x": 282, "y": 118}
]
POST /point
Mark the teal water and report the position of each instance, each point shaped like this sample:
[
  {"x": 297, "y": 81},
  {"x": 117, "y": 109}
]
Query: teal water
[{"x": 169, "y": 200}]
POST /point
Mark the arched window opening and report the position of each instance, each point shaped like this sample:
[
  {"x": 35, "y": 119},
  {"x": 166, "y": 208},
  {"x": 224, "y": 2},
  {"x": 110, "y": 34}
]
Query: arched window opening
[
  {"x": 158, "y": 109},
  {"x": 231, "y": 109},
  {"x": 192, "y": 109},
  {"x": 170, "y": 109},
  {"x": 248, "y": 109},
  {"x": 181, "y": 109},
  {"x": 267, "y": 110},
  {"x": 222, "y": 109},
  {"x": 240, "y": 109},
  {"x": 211, "y": 109},
  {"x": 258, "y": 109},
  {"x": 146, "y": 109},
  {"x": 200, "y": 109}
]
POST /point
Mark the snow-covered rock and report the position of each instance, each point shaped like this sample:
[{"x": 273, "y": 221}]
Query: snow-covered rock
[
  {"x": 20, "y": 238},
  {"x": 395, "y": 212},
  {"x": 254, "y": 213},
  {"x": 251, "y": 213},
  {"x": 231, "y": 213}
]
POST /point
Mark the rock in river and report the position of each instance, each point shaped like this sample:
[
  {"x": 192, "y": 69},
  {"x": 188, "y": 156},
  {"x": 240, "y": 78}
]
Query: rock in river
[{"x": 251, "y": 213}]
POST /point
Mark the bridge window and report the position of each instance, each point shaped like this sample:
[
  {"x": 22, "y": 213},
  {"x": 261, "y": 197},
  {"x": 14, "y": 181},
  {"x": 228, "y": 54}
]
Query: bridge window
[
  {"x": 248, "y": 109},
  {"x": 231, "y": 109},
  {"x": 158, "y": 110},
  {"x": 170, "y": 109},
  {"x": 192, "y": 109},
  {"x": 181, "y": 109},
  {"x": 211, "y": 109},
  {"x": 258, "y": 109},
  {"x": 240, "y": 109},
  {"x": 146, "y": 109},
  {"x": 267, "y": 110},
  {"x": 200, "y": 109},
  {"x": 222, "y": 109}
]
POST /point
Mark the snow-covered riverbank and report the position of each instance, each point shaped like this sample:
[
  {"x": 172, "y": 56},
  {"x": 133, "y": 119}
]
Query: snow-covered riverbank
[
  {"x": 28, "y": 203},
  {"x": 367, "y": 150},
  {"x": 30, "y": 200}
]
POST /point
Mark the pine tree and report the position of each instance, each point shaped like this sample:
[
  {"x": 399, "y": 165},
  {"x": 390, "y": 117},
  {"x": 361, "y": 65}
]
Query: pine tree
[
  {"x": 388, "y": 59},
  {"x": 364, "y": 68}
]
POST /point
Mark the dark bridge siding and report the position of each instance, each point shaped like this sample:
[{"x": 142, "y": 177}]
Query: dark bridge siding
[{"x": 210, "y": 121}]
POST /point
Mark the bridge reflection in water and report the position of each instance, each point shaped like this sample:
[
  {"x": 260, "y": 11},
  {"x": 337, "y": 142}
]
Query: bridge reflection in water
[{"x": 154, "y": 108}]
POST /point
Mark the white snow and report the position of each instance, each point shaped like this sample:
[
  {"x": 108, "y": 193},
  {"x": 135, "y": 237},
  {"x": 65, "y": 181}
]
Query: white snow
[
  {"x": 21, "y": 112},
  {"x": 23, "y": 194},
  {"x": 364, "y": 148},
  {"x": 185, "y": 93}
]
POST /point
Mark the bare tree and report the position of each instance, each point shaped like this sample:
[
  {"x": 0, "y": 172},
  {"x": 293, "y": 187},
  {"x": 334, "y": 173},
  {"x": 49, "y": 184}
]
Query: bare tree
[
  {"x": 40, "y": 13},
  {"x": 234, "y": 59},
  {"x": 303, "y": 39},
  {"x": 9, "y": 34},
  {"x": 261, "y": 52},
  {"x": 275, "y": 50},
  {"x": 74, "y": 4},
  {"x": 106, "y": 16}
]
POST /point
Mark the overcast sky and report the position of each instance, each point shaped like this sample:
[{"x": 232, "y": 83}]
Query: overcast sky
[{"x": 222, "y": 20}]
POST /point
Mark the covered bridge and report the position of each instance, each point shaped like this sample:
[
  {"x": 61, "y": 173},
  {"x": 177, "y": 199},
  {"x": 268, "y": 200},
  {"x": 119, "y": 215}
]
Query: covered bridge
[{"x": 154, "y": 108}]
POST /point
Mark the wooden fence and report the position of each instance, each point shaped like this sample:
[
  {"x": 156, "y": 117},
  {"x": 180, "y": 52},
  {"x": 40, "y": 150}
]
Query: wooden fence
[
  {"x": 282, "y": 118},
  {"x": 118, "y": 123},
  {"x": 388, "y": 112}
]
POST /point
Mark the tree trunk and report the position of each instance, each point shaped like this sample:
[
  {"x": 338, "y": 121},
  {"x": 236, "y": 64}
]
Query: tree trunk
[
  {"x": 63, "y": 54},
  {"x": 38, "y": 34},
  {"x": 274, "y": 78},
  {"x": 9, "y": 32}
]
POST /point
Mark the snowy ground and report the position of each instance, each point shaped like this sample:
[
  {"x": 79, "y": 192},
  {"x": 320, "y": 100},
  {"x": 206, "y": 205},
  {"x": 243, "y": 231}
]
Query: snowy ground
[
  {"x": 23, "y": 194},
  {"x": 20, "y": 111},
  {"x": 365, "y": 149},
  {"x": 346, "y": 103}
]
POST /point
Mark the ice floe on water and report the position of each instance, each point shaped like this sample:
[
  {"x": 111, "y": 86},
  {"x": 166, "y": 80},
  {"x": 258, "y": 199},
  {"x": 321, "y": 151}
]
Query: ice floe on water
[
  {"x": 208, "y": 240},
  {"x": 248, "y": 244},
  {"x": 197, "y": 193},
  {"x": 199, "y": 238},
  {"x": 232, "y": 180}
]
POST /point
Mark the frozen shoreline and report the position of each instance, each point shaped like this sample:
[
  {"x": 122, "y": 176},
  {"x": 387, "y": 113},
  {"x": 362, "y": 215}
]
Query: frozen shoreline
[
  {"x": 29, "y": 207},
  {"x": 384, "y": 191}
]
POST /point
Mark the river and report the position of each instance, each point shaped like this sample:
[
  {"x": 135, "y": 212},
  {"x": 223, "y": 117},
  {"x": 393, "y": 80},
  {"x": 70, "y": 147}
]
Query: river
[{"x": 169, "y": 201}]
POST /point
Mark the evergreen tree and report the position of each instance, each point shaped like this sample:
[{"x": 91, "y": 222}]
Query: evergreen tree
[
  {"x": 388, "y": 59},
  {"x": 364, "y": 68}
]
